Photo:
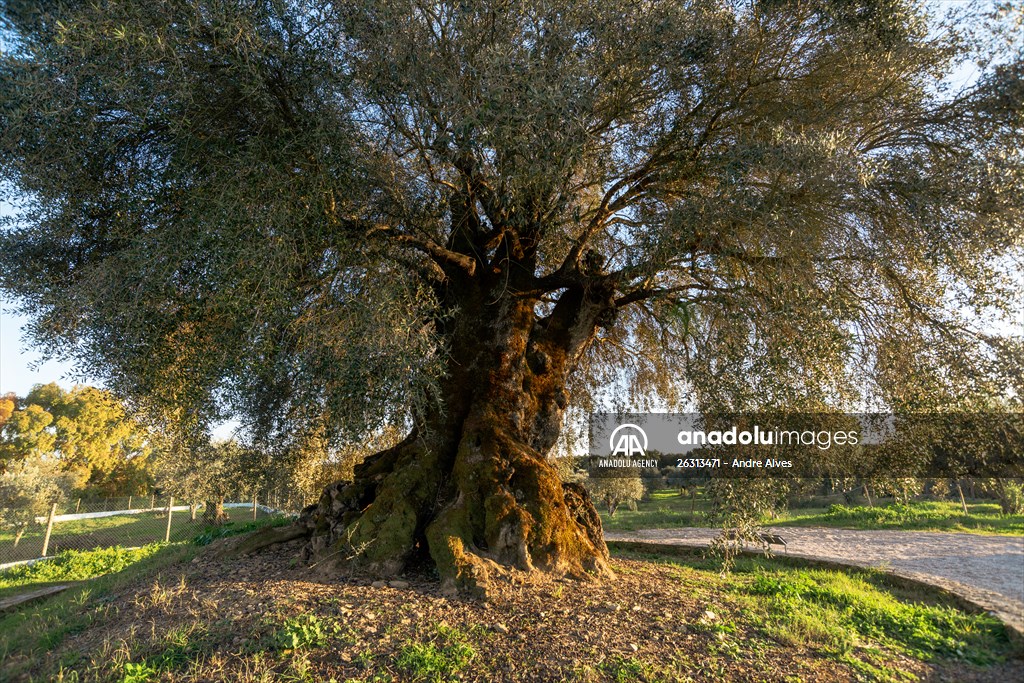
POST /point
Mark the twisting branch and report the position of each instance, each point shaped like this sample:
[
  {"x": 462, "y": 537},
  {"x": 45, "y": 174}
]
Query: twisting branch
[{"x": 444, "y": 257}]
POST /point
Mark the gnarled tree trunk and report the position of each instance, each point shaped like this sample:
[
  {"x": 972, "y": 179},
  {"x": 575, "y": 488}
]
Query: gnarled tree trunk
[{"x": 471, "y": 485}]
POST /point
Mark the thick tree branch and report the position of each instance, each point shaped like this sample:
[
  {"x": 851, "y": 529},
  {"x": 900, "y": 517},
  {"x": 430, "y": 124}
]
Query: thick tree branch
[{"x": 442, "y": 256}]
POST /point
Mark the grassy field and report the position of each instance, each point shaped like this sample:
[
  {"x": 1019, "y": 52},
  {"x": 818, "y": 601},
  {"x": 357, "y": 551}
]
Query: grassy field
[
  {"x": 983, "y": 518},
  {"x": 860, "y": 618},
  {"x": 164, "y": 617},
  {"x": 667, "y": 509},
  {"x": 72, "y": 566},
  {"x": 79, "y": 565},
  {"x": 662, "y": 510},
  {"x": 125, "y": 530}
]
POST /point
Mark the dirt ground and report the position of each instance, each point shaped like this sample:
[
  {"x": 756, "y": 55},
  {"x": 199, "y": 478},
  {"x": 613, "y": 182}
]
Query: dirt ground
[{"x": 212, "y": 621}]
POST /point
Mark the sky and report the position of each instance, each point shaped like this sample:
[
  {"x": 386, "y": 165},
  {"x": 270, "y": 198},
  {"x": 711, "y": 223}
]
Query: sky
[{"x": 21, "y": 367}]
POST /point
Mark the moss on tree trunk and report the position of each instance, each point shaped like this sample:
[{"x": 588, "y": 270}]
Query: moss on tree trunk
[
  {"x": 493, "y": 504},
  {"x": 471, "y": 488}
]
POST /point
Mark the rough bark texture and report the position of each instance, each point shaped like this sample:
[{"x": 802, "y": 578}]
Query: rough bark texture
[
  {"x": 471, "y": 486},
  {"x": 213, "y": 514}
]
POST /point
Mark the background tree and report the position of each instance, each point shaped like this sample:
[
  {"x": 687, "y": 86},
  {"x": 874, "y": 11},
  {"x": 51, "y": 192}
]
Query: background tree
[
  {"x": 310, "y": 462},
  {"x": 465, "y": 216},
  {"x": 613, "y": 491},
  {"x": 1009, "y": 493},
  {"x": 26, "y": 435},
  {"x": 88, "y": 432},
  {"x": 181, "y": 473},
  {"x": 223, "y": 474},
  {"x": 210, "y": 471},
  {"x": 99, "y": 442},
  {"x": 28, "y": 488},
  {"x": 7, "y": 405}
]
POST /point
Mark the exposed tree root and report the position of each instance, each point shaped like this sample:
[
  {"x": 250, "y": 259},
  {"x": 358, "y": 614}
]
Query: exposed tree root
[
  {"x": 258, "y": 540},
  {"x": 492, "y": 506}
]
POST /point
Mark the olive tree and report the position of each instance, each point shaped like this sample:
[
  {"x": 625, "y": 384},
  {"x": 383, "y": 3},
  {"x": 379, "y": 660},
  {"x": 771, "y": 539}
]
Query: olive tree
[
  {"x": 1008, "y": 492},
  {"x": 28, "y": 489},
  {"x": 210, "y": 471},
  {"x": 613, "y": 491},
  {"x": 466, "y": 218},
  {"x": 311, "y": 462}
]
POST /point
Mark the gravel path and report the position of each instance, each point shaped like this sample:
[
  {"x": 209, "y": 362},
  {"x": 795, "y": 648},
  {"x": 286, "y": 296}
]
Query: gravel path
[{"x": 987, "y": 570}]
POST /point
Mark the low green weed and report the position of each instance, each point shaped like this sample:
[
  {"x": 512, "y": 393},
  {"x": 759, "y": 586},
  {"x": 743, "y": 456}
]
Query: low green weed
[{"x": 440, "y": 660}]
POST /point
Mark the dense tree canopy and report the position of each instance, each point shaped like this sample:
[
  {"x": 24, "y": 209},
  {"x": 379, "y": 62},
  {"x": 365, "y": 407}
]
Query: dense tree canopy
[
  {"x": 87, "y": 435},
  {"x": 470, "y": 214},
  {"x": 260, "y": 196}
]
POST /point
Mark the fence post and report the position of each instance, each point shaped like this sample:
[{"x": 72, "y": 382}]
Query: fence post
[
  {"x": 170, "y": 509},
  {"x": 254, "y": 507},
  {"x": 78, "y": 504},
  {"x": 152, "y": 501},
  {"x": 49, "y": 528},
  {"x": 129, "y": 502}
]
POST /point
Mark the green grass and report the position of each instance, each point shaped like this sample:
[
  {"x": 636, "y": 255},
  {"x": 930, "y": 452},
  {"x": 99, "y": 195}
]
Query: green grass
[
  {"x": 666, "y": 509},
  {"x": 44, "y": 625},
  {"x": 72, "y": 565},
  {"x": 627, "y": 669},
  {"x": 210, "y": 534},
  {"x": 841, "y": 610},
  {"x": 855, "y": 617},
  {"x": 79, "y": 565},
  {"x": 126, "y": 530},
  {"x": 439, "y": 659},
  {"x": 662, "y": 510},
  {"x": 305, "y": 631},
  {"x": 983, "y": 518}
]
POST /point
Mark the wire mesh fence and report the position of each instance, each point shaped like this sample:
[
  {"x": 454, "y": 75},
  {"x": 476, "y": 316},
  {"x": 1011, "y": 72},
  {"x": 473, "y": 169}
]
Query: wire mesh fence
[{"x": 129, "y": 521}]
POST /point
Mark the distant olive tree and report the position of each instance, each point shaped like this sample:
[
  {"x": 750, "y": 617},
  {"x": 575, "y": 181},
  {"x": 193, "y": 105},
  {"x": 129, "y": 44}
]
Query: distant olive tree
[
  {"x": 1008, "y": 492},
  {"x": 311, "y": 462},
  {"x": 613, "y": 491},
  {"x": 210, "y": 471},
  {"x": 28, "y": 489}
]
